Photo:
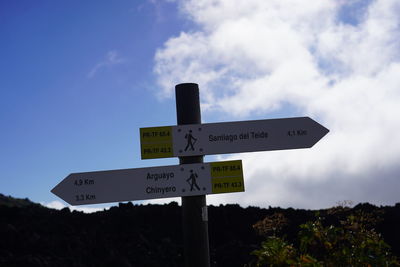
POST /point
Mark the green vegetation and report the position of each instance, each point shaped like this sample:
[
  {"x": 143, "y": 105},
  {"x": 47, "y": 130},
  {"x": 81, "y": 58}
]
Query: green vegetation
[{"x": 350, "y": 240}]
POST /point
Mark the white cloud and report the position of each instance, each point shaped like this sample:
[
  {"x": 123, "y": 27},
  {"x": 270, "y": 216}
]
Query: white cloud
[
  {"x": 112, "y": 58},
  {"x": 256, "y": 56},
  {"x": 59, "y": 205},
  {"x": 162, "y": 201}
]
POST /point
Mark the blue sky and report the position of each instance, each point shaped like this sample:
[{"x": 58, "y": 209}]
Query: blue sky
[
  {"x": 76, "y": 85},
  {"x": 78, "y": 80}
]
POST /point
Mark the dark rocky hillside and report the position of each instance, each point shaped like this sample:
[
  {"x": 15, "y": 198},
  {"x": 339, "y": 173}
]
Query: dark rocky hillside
[{"x": 143, "y": 235}]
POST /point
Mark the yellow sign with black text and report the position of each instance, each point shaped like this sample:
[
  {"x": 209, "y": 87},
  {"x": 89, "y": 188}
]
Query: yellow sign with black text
[
  {"x": 227, "y": 176},
  {"x": 156, "y": 142}
]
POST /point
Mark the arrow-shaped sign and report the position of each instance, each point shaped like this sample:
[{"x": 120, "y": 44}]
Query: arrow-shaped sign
[
  {"x": 230, "y": 137},
  {"x": 149, "y": 183}
]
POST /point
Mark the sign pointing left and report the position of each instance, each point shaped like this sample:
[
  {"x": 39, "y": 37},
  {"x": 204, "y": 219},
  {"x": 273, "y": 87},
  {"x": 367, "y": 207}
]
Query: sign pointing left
[{"x": 149, "y": 183}]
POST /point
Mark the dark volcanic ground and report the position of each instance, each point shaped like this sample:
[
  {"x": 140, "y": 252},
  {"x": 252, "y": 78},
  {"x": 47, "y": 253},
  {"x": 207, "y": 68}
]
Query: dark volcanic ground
[{"x": 142, "y": 235}]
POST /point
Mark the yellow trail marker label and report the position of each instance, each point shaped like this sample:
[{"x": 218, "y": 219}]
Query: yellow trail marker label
[
  {"x": 156, "y": 142},
  {"x": 227, "y": 176}
]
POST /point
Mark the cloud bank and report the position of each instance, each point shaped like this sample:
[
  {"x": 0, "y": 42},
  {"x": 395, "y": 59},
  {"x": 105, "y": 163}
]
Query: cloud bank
[
  {"x": 335, "y": 61},
  {"x": 58, "y": 205}
]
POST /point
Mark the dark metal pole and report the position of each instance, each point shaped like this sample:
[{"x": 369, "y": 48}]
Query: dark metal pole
[{"x": 194, "y": 208}]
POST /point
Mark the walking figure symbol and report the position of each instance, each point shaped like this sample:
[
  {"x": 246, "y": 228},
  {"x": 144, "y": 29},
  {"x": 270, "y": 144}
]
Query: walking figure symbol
[
  {"x": 192, "y": 181},
  {"x": 190, "y": 141}
]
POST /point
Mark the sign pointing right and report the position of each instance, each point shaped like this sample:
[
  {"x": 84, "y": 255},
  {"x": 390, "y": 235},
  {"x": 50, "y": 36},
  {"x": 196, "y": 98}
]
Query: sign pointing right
[{"x": 230, "y": 137}]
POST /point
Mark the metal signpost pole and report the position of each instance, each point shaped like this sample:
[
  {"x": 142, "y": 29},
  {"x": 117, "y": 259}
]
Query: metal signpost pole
[{"x": 194, "y": 208}]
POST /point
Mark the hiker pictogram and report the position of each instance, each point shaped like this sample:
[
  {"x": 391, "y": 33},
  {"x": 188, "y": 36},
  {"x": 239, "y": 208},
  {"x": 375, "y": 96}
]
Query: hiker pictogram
[
  {"x": 190, "y": 141},
  {"x": 192, "y": 181}
]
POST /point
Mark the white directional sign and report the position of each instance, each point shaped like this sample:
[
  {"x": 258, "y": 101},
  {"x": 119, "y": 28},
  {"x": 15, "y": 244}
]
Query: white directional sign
[
  {"x": 230, "y": 137},
  {"x": 149, "y": 183}
]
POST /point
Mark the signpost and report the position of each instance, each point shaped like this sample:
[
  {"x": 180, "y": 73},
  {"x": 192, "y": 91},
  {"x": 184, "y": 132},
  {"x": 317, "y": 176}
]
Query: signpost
[
  {"x": 151, "y": 183},
  {"x": 192, "y": 180},
  {"x": 230, "y": 137}
]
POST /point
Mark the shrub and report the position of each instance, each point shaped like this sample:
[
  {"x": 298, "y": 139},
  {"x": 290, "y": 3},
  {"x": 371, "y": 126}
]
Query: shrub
[{"x": 351, "y": 242}]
